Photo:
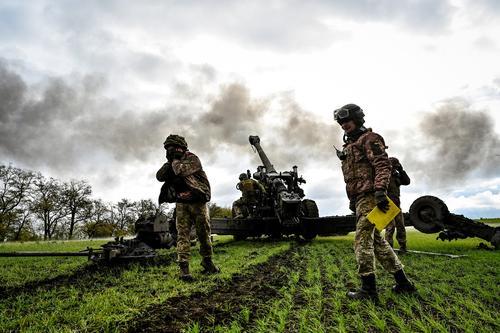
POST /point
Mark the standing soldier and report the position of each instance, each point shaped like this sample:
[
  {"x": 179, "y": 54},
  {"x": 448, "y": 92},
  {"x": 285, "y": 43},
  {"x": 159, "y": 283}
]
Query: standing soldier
[
  {"x": 399, "y": 177},
  {"x": 367, "y": 171},
  {"x": 188, "y": 185},
  {"x": 251, "y": 190}
]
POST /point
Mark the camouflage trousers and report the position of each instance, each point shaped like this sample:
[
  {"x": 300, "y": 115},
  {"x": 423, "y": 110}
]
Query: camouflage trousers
[
  {"x": 241, "y": 206},
  {"x": 187, "y": 215},
  {"x": 369, "y": 243},
  {"x": 398, "y": 225}
]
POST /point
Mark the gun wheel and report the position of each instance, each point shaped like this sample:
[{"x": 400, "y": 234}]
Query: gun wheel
[
  {"x": 428, "y": 213},
  {"x": 309, "y": 209}
]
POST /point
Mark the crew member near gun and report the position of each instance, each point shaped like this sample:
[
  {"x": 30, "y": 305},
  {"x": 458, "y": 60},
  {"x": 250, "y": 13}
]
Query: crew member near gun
[
  {"x": 367, "y": 170},
  {"x": 398, "y": 177},
  {"x": 187, "y": 184}
]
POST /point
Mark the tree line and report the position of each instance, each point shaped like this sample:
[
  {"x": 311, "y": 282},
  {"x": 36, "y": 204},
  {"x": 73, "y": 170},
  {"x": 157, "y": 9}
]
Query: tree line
[{"x": 34, "y": 207}]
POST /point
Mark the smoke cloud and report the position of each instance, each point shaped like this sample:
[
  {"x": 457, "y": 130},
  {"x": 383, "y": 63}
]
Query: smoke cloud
[
  {"x": 457, "y": 142},
  {"x": 66, "y": 125},
  {"x": 72, "y": 126}
]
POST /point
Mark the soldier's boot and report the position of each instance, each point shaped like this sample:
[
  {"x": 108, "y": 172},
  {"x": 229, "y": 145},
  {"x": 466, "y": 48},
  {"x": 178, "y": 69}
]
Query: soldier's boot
[
  {"x": 184, "y": 271},
  {"x": 402, "y": 247},
  {"x": 208, "y": 266},
  {"x": 403, "y": 284},
  {"x": 368, "y": 289}
]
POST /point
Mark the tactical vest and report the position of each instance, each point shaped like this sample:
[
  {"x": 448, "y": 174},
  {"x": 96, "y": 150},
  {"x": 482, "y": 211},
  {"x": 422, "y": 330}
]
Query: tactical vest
[{"x": 359, "y": 174}]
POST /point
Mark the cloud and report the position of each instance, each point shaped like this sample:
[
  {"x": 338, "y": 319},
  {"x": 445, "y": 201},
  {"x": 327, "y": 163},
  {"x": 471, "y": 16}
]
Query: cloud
[{"x": 99, "y": 29}]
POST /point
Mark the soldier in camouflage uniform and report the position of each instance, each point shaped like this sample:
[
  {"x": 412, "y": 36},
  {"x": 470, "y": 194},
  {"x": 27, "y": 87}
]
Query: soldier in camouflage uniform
[
  {"x": 367, "y": 171},
  {"x": 189, "y": 187},
  {"x": 250, "y": 193},
  {"x": 398, "y": 177}
]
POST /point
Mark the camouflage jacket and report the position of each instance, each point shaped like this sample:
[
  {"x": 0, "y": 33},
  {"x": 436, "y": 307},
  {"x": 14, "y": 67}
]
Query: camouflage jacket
[
  {"x": 366, "y": 167},
  {"x": 188, "y": 178},
  {"x": 249, "y": 188},
  {"x": 398, "y": 177}
]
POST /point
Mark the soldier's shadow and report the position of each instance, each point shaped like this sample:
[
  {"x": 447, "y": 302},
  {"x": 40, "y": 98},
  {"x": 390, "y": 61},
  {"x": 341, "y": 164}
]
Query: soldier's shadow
[{"x": 90, "y": 276}]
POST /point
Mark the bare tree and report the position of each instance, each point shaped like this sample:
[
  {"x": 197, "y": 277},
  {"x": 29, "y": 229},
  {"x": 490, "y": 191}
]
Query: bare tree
[
  {"x": 47, "y": 204},
  {"x": 99, "y": 223},
  {"x": 23, "y": 222},
  {"x": 76, "y": 200},
  {"x": 145, "y": 207},
  {"x": 123, "y": 217},
  {"x": 15, "y": 185}
]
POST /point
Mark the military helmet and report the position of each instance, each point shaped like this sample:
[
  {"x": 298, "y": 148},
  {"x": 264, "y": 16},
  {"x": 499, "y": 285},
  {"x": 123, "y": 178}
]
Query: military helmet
[
  {"x": 175, "y": 140},
  {"x": 243, "y": 176},
  {"x": 349, "y": 112}
]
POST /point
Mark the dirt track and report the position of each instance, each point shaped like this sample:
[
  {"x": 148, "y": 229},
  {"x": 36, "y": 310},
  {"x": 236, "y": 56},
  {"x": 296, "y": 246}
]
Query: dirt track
[{"x": 244, "y": 291}]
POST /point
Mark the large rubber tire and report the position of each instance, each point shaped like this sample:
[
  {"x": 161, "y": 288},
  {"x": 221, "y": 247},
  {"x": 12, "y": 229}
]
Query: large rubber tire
[
  {"x": 428, "y": 214},
  {"x": 310, "y": 209}
]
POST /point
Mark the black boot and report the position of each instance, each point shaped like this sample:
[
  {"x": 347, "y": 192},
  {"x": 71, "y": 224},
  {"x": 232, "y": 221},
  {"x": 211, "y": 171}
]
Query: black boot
[
  {"x": 184, "y": 271},
  {"x": 368, "y": 289},
  {"x": 208, "y": 266},
  {"x": 403, "y": 284},
  {"x": 402, "y": 247}
]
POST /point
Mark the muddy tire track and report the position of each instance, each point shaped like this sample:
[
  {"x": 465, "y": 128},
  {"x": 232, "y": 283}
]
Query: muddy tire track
[{"x": 252, "y": 290}]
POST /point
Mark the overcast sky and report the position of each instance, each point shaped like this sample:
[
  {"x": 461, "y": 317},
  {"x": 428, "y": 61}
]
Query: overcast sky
[{"x": 90, "y": 89}]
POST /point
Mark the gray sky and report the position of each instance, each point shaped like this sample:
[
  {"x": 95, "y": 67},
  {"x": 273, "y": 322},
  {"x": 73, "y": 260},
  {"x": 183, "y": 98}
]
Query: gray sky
[{"x": 90, "y": 90}]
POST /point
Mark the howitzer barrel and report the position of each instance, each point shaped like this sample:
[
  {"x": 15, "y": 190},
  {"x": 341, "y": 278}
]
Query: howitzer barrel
[{"x": 255, "y": 141}]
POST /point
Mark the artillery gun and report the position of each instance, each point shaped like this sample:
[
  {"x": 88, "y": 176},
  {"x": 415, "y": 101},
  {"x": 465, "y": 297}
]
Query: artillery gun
[
  {"x": 278, "y": 211},
  {"x": 282, "y": 210},
  {"x": 153, "y": 232}
]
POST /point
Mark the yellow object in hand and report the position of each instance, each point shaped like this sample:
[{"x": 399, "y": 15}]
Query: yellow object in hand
[{"x": 381, "y": 219}]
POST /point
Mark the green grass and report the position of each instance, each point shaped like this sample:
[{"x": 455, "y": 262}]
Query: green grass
[
  {"x": 489, "y": 220},
  {"x": 108, "y": 299},
  {"x": 457, "y": 295}
]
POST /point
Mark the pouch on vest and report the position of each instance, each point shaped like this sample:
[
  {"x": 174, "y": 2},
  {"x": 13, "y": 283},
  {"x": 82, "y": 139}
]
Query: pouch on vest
[
  {"x": 246, "y": 185},
  {"x": 381, "y": 219}
]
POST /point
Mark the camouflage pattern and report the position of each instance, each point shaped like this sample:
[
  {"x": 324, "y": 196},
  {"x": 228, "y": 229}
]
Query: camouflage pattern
[
  {"x": 250, "y": 191},
  {"x": 175, "y": 140},
  {"x": 187, "y": 215},
  {"x": 398, "y": 178},
  {"x": 189, "y": 168},
  {"x": 366, "y": 167},
  {"x": 398, "y": 225},
  {"x": 369, "y": 243}
]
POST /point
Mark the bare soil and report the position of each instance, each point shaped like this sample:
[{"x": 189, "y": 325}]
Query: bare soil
[{"x": 250, "y": 290}]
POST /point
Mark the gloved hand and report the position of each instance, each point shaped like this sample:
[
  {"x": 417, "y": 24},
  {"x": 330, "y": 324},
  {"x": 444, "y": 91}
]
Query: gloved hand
[
  {"x": 352, "y": 205},
  {"x": 382, "y": 201}
]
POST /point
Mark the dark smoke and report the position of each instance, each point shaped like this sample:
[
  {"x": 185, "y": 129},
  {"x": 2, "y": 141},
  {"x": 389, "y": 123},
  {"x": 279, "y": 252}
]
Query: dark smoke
[
  {"x": 458, "y": 142},
  {"x": 65, "y": 126},
  {"x": 62, "y": 124}
]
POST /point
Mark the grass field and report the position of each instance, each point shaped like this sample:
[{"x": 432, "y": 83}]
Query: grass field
[
  {"x": 265, "y": 286},
  {"x": 489, "y": 220}
]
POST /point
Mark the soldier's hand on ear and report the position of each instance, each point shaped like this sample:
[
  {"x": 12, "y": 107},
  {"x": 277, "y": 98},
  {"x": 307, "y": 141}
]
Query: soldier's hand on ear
[{"x": 382, "y": 201}]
